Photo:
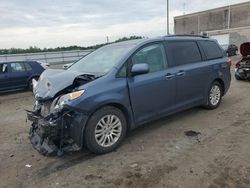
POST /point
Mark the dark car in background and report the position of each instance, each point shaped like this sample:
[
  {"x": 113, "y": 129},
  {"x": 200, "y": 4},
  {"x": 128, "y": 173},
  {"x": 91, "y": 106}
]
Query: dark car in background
[
  {"x": 123, "y": 85},
  {"x": 230, "y": 49},
  {"x": 15, "y": 75}
]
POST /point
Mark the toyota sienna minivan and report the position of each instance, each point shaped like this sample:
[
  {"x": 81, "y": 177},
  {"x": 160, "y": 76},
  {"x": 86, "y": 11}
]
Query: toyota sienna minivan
[{"x": 121, "y": 86}]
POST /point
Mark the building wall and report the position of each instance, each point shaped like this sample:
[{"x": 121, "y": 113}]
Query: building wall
[
  {"x": 240, "y": 16},
  {"x": 236, "y": 36},
  {"x": 216, "y": 20}
]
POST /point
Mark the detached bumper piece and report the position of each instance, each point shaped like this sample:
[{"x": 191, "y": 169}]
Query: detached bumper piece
[{"x": 50, "y": 135}]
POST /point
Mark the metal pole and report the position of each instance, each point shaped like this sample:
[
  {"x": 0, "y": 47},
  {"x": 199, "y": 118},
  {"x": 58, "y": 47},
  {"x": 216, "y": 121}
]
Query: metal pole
[
  {"x": 229, "y": 16},
  {"x": 168, "y": 17}
]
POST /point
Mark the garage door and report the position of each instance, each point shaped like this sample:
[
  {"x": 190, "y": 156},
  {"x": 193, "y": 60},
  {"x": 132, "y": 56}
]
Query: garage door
[{"x": 222, "y": 39}]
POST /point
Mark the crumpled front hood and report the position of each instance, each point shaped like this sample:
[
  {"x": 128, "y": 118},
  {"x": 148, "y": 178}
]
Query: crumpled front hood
[{"x": 53, "y": 81}]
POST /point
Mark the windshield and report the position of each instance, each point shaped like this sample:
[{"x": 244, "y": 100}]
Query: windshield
[{"x": 102, "y": 60}]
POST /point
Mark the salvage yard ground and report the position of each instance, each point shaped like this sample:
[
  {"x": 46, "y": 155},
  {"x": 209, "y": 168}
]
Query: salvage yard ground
[{"x": 156, "y": 155}]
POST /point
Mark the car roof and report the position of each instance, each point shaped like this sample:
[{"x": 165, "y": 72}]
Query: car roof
[{"x": 162, "y": 38}]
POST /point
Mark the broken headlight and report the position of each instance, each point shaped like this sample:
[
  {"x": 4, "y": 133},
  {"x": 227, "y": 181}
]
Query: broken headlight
[{"x": 67, "y": 98}]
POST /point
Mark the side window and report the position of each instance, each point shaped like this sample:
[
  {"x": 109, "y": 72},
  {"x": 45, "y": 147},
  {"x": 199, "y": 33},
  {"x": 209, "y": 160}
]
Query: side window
[
  {"x": 183, "y": 52},
  {"x": 153, "y": 55},
  {"x": 211, "y": 49},
  {"x": 3, "y": 68},
  {"x": 123, "y": 72},
  {"x": 17, "y": 67},
  {"x": 28, "y": 67}
]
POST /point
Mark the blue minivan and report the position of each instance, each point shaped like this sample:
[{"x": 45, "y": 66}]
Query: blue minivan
[
  {"x": 19, "y": 74},
  {"x": 123, "y": 85}
]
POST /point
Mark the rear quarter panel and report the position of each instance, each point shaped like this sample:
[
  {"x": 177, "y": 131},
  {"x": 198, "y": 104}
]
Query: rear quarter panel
[{"x": 219, "y": 69}]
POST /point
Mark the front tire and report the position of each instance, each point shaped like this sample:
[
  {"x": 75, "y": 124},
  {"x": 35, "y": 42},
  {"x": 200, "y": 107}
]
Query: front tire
[
  {"x": 105, "y": 130},
  {"x": 214, "y": 96}
]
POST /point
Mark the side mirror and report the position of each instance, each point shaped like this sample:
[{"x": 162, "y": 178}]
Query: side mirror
[
  {"x": 138, "y": 69},
  {"x": 65, "y": 67}
]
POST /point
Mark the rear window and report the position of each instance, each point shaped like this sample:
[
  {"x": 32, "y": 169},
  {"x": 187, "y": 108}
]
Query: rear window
[
  {"x": 183, "y": 52},
  {"x": 211, "y": 49},
  {"x": 28, "y": 67}
]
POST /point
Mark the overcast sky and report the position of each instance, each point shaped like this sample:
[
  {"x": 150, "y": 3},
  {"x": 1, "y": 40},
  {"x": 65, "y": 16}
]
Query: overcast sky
[{"x": 52, "y": 23}]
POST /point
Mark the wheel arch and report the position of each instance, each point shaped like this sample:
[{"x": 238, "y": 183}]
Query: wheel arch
[
  {"x": 119, "y": 106},
  {"x": 31, "y": 77},
  {"x": 222, "y": 84}
]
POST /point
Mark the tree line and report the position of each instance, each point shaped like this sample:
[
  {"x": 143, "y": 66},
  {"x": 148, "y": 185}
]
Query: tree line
[{"x": 68, "y": 48}]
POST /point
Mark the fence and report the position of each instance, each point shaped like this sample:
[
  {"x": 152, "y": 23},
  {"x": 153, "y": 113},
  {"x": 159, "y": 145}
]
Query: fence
[{"x": 48, "y": 57}]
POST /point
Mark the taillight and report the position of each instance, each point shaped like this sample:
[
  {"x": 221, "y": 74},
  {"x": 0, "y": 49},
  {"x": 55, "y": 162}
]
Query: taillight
[{"x": 229, "y": 62}]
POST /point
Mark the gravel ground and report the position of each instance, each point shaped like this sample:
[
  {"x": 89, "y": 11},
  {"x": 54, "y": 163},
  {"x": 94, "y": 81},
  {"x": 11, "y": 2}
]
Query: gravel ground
[{"x": 158, "y": 154}]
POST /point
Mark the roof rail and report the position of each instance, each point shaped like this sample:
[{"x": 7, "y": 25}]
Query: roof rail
[{"x": 201, "y": 36}]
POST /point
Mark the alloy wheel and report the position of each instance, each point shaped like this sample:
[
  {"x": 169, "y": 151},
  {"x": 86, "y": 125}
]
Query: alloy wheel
[
  {"x": 215, "y": 95},
  {"x": 108, "y": 130}
]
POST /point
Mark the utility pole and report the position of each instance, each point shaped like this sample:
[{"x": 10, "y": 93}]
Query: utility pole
[
  {"x": 229, "y": 16},
  {"x": 107, "y": 39},
  {"x": 168, "y": 17}
]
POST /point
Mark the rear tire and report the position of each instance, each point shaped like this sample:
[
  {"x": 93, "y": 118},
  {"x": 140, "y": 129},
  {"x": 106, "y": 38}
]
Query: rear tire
[
  {"x": 214, "y": 96},
  {"x": 105, "y": 130}
]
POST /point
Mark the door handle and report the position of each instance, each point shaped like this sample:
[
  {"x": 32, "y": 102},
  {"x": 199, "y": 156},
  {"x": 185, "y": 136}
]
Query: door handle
[
  {"x": 169, "y": 76},
  {"x": 181, "y": 73}
]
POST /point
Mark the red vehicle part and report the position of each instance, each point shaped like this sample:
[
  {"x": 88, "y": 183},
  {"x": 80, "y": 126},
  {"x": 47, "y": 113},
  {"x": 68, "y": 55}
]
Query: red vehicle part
[{"x": 245, "y": 51}]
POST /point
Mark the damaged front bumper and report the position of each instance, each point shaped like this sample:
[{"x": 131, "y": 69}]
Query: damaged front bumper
[
  {"x": 243, "y": 72},
  {"x": 57, "y": 133}
]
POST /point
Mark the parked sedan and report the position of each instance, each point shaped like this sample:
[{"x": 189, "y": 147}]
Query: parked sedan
[
  {"x": 15, "y": 75},
  {"x": 230, "y": 49}
]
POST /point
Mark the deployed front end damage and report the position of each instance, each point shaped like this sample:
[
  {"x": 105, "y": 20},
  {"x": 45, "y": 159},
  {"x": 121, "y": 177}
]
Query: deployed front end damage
[
  {"x": 57, "y": 132},
  {"x": 242, "y": 70},
  {"x": 57, "y": 127}
]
